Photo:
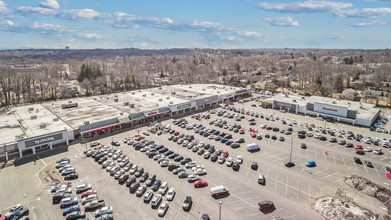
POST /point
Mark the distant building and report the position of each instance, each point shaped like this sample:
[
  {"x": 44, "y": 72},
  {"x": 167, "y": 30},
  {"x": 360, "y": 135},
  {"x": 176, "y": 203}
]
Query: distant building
[{"x": 66, "y": 47}]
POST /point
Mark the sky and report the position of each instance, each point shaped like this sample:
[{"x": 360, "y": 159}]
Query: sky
[{"x": 159, "y": 24}]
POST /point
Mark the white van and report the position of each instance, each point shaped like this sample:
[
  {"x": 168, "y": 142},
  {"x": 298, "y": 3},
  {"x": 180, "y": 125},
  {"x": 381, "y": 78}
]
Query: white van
[
  {"x": 218, "y": 191},
  {"x": 252, "y": 147}
]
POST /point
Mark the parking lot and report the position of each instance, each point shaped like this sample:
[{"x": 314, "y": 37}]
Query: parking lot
[{"x": 293, "y": 190}]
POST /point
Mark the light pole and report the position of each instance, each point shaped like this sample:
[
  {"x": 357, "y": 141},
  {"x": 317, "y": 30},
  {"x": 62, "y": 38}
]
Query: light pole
[
  {"x": 290, "y": 156},
  {"x": 220, "y": 203}
]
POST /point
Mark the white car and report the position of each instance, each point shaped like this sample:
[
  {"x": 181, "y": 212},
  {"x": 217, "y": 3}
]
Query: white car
[
  {"x": 192, "y": 178},
  {"x": 229, "y": 162},
  {"x": 239, "y": 159},
  {"x": 156, "y": 200},
  {"x": 162, "y": 209},
  {"x": 263, "y": 126},
  {"x": 200, "y": 172},
  {"x": 171, "y": 194},
  {"x": 104, "y": 210},
  {"x": 163, "y": 188},
  {"x": 378, "y": 151},
  {"x": 385, "y": 144},
  {"x": 368, "y": 149}
]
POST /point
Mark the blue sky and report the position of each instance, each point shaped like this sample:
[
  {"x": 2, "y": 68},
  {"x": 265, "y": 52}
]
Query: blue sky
[{"x": 159, "y": 24}]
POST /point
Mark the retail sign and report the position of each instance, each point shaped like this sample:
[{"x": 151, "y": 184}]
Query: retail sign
[
  {"x": 331, "y": 109},
  {"x": 151, "y": 113},
  {"x": 43, "y": 140},
  {"x": 268, "y": 103},
  {"x": 180, "y": 107}
]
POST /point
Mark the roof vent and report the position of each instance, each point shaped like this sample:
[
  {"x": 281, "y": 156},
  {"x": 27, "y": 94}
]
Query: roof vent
[
  {"x": 171, "y": 102},
  {"x": 131, "y": 105},
  {"x": 160, "y": 99},
  {"x": 56, "y": 119},
  {"x": 173, "y": 93},
  {"x": 42, "y": 125},
  {"x": 133, "y": 93},
  {"x": 126, "y": 103},
  {"x": 152, "y": 93},
  {"x": 34, "y": 117},
  {"x": 116, "y": 100},
  {"x": 144, "y": 95},
  {"x": 86, "y": 122},
  {"x": 167, "y": 97},
  {"x": 31, "y": 109}
]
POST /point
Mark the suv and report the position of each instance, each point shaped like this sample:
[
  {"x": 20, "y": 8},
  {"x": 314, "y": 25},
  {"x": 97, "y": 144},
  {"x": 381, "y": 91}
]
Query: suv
[
  {"x": 156, "y": 200},
  {"x": 266, "y": 206},
  {"x": 134, "y": 186},
  {"x": 163, "y": 188},
  {"x": 187, "y": 203},
  {"x": 148, "y": 196}
]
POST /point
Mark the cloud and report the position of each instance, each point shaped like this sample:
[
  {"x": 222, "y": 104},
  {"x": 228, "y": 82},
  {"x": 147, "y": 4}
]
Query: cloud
[
  {"x": 250, "y": 34},
  {"x": 3, "y": 10},
  {"x": 50, "y": 4},
  {"x": 72, "y": 14},
  {"x": 285, "y": 21},
  {"x": 365, "y": 12},
  {"x": 6, "y": 24},
  {"x": 90, "y": 36},
  {"x": 305, "y": 7},
  {"x": 373, "y": 23},
  {"x": 381, "y": 1}
]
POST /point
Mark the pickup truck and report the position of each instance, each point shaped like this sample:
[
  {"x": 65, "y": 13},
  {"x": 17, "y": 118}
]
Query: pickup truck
[{"x": 94, "y": 204}]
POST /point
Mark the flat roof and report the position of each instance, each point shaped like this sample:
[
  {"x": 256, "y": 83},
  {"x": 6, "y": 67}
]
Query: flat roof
[
  {"x": 23, "y": 123},
  {"x": 101, "y": 107},
  {"x": 364, "y": 110}
]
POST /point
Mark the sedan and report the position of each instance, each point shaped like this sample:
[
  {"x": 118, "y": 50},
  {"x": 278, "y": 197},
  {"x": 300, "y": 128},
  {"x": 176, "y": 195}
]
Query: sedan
[
  {"x": 310, "y": 163},
  {"x": 200, "y": 183},
  {"x": 192, "y": 178},
  {"x": 369, "y": 163},
  {"x": 162, "y": 209}
]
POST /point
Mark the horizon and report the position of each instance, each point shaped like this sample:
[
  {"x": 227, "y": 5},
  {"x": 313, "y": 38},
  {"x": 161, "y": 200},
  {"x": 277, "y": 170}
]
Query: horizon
[{"x": 245, "y": 24}]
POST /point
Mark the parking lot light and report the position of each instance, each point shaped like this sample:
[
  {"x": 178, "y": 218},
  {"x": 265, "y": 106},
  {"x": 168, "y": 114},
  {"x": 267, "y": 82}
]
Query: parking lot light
[{"x": 220, "y": 203}]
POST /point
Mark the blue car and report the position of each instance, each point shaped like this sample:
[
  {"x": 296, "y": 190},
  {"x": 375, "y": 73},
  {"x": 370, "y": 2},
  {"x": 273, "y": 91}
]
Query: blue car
[
  {"x": 310, "y": 163},
  {"x": 168, "y": 153},
  {"x": 253, "y": 123},
  {"x": 70, "y": 209},
  {"x": 223, "y": 140}
]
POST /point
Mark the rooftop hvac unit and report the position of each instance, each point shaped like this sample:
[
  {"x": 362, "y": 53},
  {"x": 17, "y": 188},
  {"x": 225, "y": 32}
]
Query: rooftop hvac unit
[
  {"x": 218, "y": 91},
  {"x": 189, "y": 96},
  {"x": 133, "y": 93},
  {"x": 203, "y": 89},
  {"x": 302, "y": 98},
  {"x": 126, "y": 103},
  {"x": 71, "y": 105},
  {"x": 70, "y": 101},
  {"x": 167, "y": 97},
  {"x": 294, "y": 100},
  {"x": 34, "y": 117},
  {"x": 190, "y": 87},
  {"x": 42, "y": 125},
  {"x": 95, "y": 99},
  {"x": 31, "y": 109},
  {"x": 56, "y": 119},
  {"x": 121, "y": 113},
  {"x": 360, "y": 105},
  {"x": 131, "y": 105},
  {"x": 116, "y": 96},
  {"x": 173, "y": 93},
  {"x": 52, "y": 103},
  {"x": 159, "y": 88},
  {"x": 107, "y": 98},
  {"x": 116, "y": 100},
  {"x": 171, "y": 103},
  {"x": 144, "y": 95},
  {"x": 152, "y": 93},
  {"x": 185, "y": 90},
  {"x": 36, "y": 110},
  {"x": 160, "y": 99},
  {"x": 86, "y": 122},
  {"x": 334, "y": 102}
]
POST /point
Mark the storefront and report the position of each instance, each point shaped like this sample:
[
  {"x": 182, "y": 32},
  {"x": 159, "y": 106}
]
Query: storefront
[
  {"x": 156, "y": 114},
  {"x": 183, "y": 108},
  {"x": 206, "y": 102},
  {"x": 45, "y": 142},
  {"x": 227, "y": 97},
  {"x": 288, "y": 107},
  {"x": 99, "y": 128}
]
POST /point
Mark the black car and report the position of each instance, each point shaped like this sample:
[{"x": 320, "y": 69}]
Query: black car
[
  {"x": 357, "y": 160},
  {"x": 133, "y": 187},
  {"x": 144, "y": 177},
  {"x": 304, "y": 146},
  {"x": 259, "y": 137},
  {"x": 236, "y": 166},
  {"x": 123, "y": 178},
  {"x": 274, "y": 137},
  {"x": 71, "y": 176},
  {"x": 178, "y": 158},
  {"x": 187, "y": 203},
  {"x": 267, "y": 135},
  {"x": 254, "y": 166},
  {"x": 235, "y": 145},
  {"x": 214, "y": 157},
  {"x": 156, "y": 185},
  {"x": 322, "y": 138},
  {"x": 186, "y": 160},
  {"x": 115, "y": 143},
  {"x": 139, "y": 172},
  {"x": 289, "y": 164},
  {"x": 19, "y": 214}
]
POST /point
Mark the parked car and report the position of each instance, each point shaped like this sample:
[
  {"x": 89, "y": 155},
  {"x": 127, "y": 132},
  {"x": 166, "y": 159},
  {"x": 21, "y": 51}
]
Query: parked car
[{"x": 187, "y": 203}]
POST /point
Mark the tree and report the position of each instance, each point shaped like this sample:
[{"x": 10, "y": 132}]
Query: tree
[
  {"x": 338, "y": 83},
  {"x": 356, "y": 97},
  {"x": 174, "y": 59}
]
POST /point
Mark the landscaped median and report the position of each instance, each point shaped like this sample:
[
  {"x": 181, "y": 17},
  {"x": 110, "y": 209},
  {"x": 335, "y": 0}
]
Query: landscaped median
[{"x": 48, "y": 176}]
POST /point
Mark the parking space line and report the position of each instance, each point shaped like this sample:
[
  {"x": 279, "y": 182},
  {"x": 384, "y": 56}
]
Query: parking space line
[
  {"x": 377, "y": 171},
  {"x": 343, "y": 159},
  {"x": 365, "y": 167},
  {"x": 335, "y": 162},
  {"x": 275, "y": 187},
  {"x": 267, "y": 174},
  {"x": 320, "y": 171},
  {"x": 297, "y": 186},
  {"x": 329, "y": 175},
  {"x": 309, "y": 192},
  {"x": 286, "y": 186}
]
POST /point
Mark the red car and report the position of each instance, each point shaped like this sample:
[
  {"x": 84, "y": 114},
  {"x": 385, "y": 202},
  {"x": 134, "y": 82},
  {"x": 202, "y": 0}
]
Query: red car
[
  {"x": 176, "y": 133},
  {"x": 389, "y": 175},
  {"x": 241, "y": 131},
  {"x": 225, "y": 153},
  {"x": 139, "y": 138},
  {"x": 200, "y": 183},
  {"x": 358, "y": 147},
  {"x": 88, "y": 192},
  {"x": 358, "y": 151},
  {"x": 268, "y": 128},
  {"x": 253, "y": 135}
]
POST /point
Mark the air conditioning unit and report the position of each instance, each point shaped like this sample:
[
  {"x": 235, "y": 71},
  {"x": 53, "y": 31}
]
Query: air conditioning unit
[
  {"x": 294, "y": 100},
  {"x": 185, "y": 90},
  {"x": 203, "y": 89},
  {"x": 190, "y": 96},
  {"x": 86, "y": 122},
  {"x": 131, "y": 105},
  {"x": 116, "y": 96},
  {"x": 334, "y": 102},
  {"x": 126, "y": 103},
  {"x": 36, "y": 110},
  {"x": 95, "y": 99},
  {"x": 160, "y": 99},
  {"x": 70, "y": 101},
  {"x": 116, "y": 100},
  {"x": 34, "y": 117},
  {"x": 31, "y": 109},
  {"x": 133, "y": 93},
  {"x": 189, "y": 86},
  {"x": 144, "y": 95},
  {"x": 121, "y": 113},
  {"x": 167, "y": 97},
  {"x": 173, "y": 93},
  {"x": 160, "y": 88},
  {"x": 171, "y": 103},
  {"x": 56, "y": 119},
  {"x": 152, "y": 93},
  {"x": 42, "y": 125}
]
